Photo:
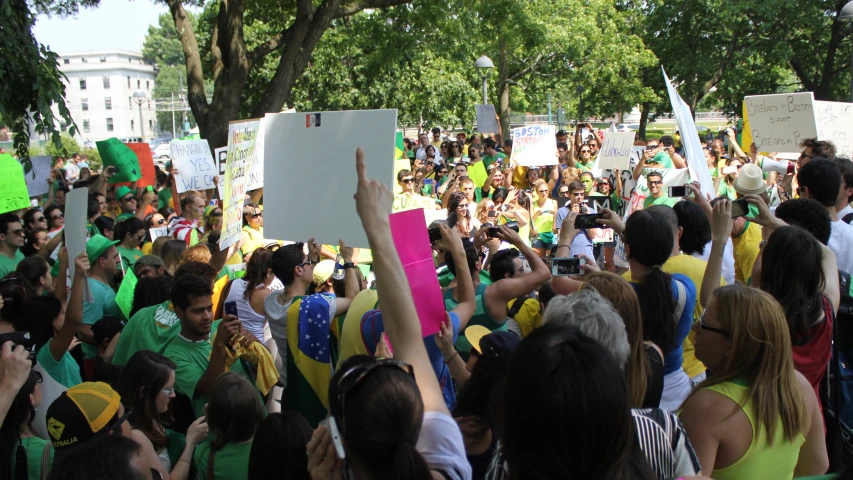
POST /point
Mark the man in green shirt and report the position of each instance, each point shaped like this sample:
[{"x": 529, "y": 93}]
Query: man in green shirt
[
  {"x": 492, "y": 154},
  {"x": 104, "y": 259},
  {"x": 11, "y": 240},
  {"x": 654, "y": 180},
  {"x": 126, "y": 201}
]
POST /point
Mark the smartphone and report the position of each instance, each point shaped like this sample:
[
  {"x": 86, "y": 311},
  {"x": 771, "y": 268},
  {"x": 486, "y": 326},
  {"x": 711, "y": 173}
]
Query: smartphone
[
  {"x": 677, "y": 191},
  {"x": 332, "y": 426},
  {"x": 561, "y": 267},
  {"x": 428, "y": 181},
  {"x": 20, "y": 338},
  {"x": 493, "y": 231},
  {"x": 739, "y": 208},
  {"x": 588, "y": 221},
  {"x": 231, "y": 308},
  {"x": 492, "y": 214},
  {"x": 434, "y": 235}
]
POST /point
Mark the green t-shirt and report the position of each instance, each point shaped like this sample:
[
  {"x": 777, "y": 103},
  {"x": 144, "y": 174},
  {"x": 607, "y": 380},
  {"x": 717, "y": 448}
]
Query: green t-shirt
[
  {"x": 129, "y": 256},
  {"x": 662, "y": 200},
  {"x": 661, "y": 160},
  {"x": 163, "y": 197},
  {"x": 92, "y": 229},
  {"x": 481, "y": 317},
  {"x": 151, "y": 328},
  {"x": 103, "y": 304},
  {"x": 34, "y": 446},
  {"x": 489, "y": 159},
  {"x": 9, "y": 264},
  {"x": 65, "y": 371},
  {"x": 726, "y": 190},
  {"x": 123, "y": 216},
  {"x": 231, "y": 461}
]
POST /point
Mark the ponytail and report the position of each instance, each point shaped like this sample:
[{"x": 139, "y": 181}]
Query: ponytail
[
  {"x": 658, "y": 309},
  {"x": 406, "y": 462}
]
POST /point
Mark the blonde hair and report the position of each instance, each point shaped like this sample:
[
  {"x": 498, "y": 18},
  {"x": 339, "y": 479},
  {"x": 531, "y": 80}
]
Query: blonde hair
[
  {"x": 761, "y": 355},
  {"x": 570, "y": 174},
  {"x": 196, "y": 253},
  {"x": 624, "y": 299},
  {"x": 483, "y": 210},
  {"x": 538, "y": 184}
]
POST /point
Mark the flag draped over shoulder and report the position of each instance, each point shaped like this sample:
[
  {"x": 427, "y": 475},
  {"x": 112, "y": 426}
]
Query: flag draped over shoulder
[{"x": 308, "y": 358}]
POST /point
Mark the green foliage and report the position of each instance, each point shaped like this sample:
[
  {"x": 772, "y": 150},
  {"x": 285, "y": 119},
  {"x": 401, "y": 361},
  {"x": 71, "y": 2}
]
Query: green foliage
[
  {"x": 67, "y": 147},
  {"x": 93, "y": 159}
]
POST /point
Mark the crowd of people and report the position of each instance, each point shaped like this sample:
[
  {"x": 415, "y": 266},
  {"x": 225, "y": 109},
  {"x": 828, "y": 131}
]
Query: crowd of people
[{"x": 704, "y": 355}]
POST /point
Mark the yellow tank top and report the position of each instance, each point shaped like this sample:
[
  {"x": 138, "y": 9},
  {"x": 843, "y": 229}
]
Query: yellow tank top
[{"x": 759, "y": 461}]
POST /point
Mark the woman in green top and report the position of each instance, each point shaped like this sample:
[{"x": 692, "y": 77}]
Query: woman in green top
[
  {"x": 20, "y": 450},
  {"x": 756, "y": 417},
  {"x": 130, "y": 233},
  {"x": 233, "y": 414},
  {"x": 731, "y": 171}
]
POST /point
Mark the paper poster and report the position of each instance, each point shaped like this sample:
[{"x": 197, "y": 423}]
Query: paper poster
[
  {"x": 616, "y": 150},
  {"x": 146, "y": 164},
  {"x": 221, "y": 156},
  {"x": 158, "y": 232},
  {"x": 477, "y": 173},
  {"x": 779, "y": 123},
  {"x": 76, "y": 204},
  {"x": 403, "y": 203},
  {"x": 37, "y": 178},
  {"x": 637, "y": 152},
  {"x": 116, "y": 154},
  {"x": 256, "y": 174},
  {"x": 835, "y": 124},
  {"x": 299, "y": 145},
  {"x": 487, "y": 121},
  {"x": 12, "y": 185},
  {"x": 241, "y": 156},
  {"x": 195, "y": 165},
  {"x": 124, "y": 295},
  {"x": 534, "y": 146},
  {"x": 408, "y": 229},
  {"x": 690, "y": 140}
]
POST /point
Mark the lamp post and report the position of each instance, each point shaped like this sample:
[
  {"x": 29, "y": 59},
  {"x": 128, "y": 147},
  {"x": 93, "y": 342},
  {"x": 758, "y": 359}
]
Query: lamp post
[
  {"x": 139, "y": 99},
  {"x": 846, "y": 15},
  {"x": 484, "y": 64}
]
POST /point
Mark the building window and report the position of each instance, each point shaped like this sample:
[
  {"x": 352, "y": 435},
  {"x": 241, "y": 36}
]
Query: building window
[
  {"x": 147, "y": 86},
  {"x": 106, "y": 83},
  {"x": 138, "y": 83},
  {"x": 128, "y": 82},
  {"x": 150, "y": 124},
  {"x": 131, "y": 125},
  {"x": 108, "y": 103},
  {"x": 103, "y": 59},
  {"x": 82, "y": 84},
  {"x": 85, "y": 103},
  {"x": 84, "y": 60},
  {"x": 149, "y": 104},
  {"x": 86, "y": 126},
  {"x": 109, "y": 124},
  {"x": 66, "y": 61}
]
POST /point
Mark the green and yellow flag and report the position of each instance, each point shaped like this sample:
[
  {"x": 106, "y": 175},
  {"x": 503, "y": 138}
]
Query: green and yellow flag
[
  {"x": 399, "y": 146},
  {"x": 309, "y": 357}
]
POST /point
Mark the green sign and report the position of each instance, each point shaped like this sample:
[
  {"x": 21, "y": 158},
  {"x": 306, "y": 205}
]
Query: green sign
[
  {"x": 118, "y": 155},
  {"x": 124, "y": 296},
  {"x": 12, "y": 185}
]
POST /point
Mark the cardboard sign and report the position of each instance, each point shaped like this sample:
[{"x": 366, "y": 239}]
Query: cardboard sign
[
  {"x": 124, "y": 295},
  {"x": 76, "y": 204},
  {"x": 779, "y": 123},
  {"x": 404, "y": 203},
  {"x": 616, "y": 150},
  {"x": 195, "y": 165},
  {"x": 37, "y": 178},
  {"x": 690, "y": 140},
  {"x": 477, "y": 173},
  {"x": 486, "y": 119},
  {"x": 241, "y": 156},
  {"x": 408, "y": 229},
  {"x": 220, "y": 155},
  {"x": 835, "y": 124},
  {"x": 158, "y": 232},
  {"x": 12, "y": 185},
  {"x": 533, "y": 146},
  {"x": 256, "y": 174},
  {"x": 298, "y": 146},
  {"x": 146, "y": 164},
  {"x": 118, "y": 155}
]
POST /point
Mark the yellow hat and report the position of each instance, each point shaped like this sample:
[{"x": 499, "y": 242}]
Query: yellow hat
[
  {"x": 323, "y": 271},
  {"x": 474, "y": 333}
]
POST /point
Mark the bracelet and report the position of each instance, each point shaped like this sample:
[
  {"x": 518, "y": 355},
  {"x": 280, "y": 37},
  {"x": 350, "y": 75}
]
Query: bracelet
[
  {"x": 447, "y": 362},
  {"x": 564, "y": 245},
  {"x": 348, "y": 265}
]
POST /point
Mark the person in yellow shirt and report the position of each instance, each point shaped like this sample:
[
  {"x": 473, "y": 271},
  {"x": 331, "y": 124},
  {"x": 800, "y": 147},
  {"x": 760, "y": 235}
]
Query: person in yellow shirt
[
  {"x": 253, "y": 230},
  {"x": 746, "y": 235}
]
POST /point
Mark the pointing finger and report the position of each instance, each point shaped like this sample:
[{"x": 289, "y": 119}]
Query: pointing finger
[{"x": 359, "y": 164}]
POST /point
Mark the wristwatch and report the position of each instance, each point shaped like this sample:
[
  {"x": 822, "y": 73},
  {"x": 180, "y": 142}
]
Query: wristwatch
[{"x": 348, "y": 265}]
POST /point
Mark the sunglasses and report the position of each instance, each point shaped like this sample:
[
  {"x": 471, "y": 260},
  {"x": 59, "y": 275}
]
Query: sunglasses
[
  {"x": 352, "y": 377},
  {"x": 40, "y": 219},
  {"x": 655, "y": 182},
  {"x": 704, "y": 326},
  {"x": 19, "y": 231},
  {"x": 584, "y": 151},
  {"x": 408, "y": 180},
  {"x": 578, "y": 194},
  {"x": 255, "y": 215},
  {"x": 161, "y": 221},
  {"x": 57, "y": 217},
  {"x": 603, "y": 184},
  {"x": 652, "y": 147},
  {"x": 129, "y": 198}
]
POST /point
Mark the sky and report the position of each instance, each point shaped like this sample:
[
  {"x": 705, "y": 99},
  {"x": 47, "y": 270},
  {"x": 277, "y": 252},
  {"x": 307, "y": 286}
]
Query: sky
[{"x": 115, "y": 24}]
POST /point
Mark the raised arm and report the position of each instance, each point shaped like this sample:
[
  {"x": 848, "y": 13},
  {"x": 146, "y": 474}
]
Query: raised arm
[
  {"x": 677, "y": 160},
  {"x": 147, "y": 198},
  {"x": 351, "y": 286},
  {"x": 176, "y": 197},
  {"x": 74, "y": 311},
  {"x": 721, "y": 228},
  {"x": 373, "y": 202},
  {"x": 451, "y": 243},
  {"x": 503, "y": 290},
  {"x": 638, "y": 170},
  {"x": 62, "y": 276}
]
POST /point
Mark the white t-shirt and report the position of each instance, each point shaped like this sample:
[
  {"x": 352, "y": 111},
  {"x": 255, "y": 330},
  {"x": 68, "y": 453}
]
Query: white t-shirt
[
  {"x": 728, "y": 260},
  {"x": 441, "y": 445},
  {"x": 840, "y": 242},
  {"x": 844, "y": 212}
]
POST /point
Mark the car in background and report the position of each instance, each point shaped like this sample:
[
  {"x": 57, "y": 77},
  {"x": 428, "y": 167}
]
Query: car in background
[
  {"x": 627, "y": 127},
  {"x": 162, "y": 153}
]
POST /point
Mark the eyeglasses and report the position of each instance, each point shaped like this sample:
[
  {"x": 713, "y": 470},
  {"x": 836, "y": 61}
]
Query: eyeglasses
[
  {"x": 57, "y": 217},
  {"x": 352, "y": 377},
  {"x": 407, "y": 180},
  {"x": 655, "y": 182},
  {"x": 40, "y": 219},
  {"x": 804, "y": 154},
  {"x": 305, "y": 263},
  {"x": 652, "y": 146},
  {"x": 168, "y": 391},
  {"x": 160, "y": 221},
  {"x": 705, "y": 326},
  {"x": 256, "y": 215}
]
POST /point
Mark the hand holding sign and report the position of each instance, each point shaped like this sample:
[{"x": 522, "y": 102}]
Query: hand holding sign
[{"x": 118, "y": 155}]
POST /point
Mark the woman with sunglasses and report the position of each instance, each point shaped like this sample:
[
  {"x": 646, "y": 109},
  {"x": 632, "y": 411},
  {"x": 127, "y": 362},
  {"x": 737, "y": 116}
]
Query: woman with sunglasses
[
  {"x": 253, "y": 230},
  {"x": 457, "y": 206},
  {"x": 147, "y": 386},
  {"x": 731, "y": 170},
  {"x": 544, "y": 209},
  {"x": 152, "y": 220},
  {"x": 20, "y": 448},
  {"x": 55, "y": 219},
  {"x": 605, "y": 187},
  {"x": 457, "y": 153},
  {"x": 444, "y": 150},
  {"x": 34, "y": 219},
  {"x": 130, "y": 233}
]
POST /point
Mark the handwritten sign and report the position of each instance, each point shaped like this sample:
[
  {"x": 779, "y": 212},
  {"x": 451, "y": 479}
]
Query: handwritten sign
[
  {"x": 195, "y": 165},
  {"x": 146, "y": 163},
  {"x": 835, "y": 124},
  {"x": 256, "y": 174},
  {"x": 533, "y": 146},
  {"x": 37, "y": 177},
  {"x": 616, "y": 150},
  {"x": 124, "y": 295},
  {"x": 220, "y": 155},
  {"x": 241, "y": 157},
  {"x": 12, "y": 185},
  {"x": 487, "y": 121},
  {"x": 118, "y": 155},
  {"x": 158, "y": 232},
  {"x": 780, "y": 122}
]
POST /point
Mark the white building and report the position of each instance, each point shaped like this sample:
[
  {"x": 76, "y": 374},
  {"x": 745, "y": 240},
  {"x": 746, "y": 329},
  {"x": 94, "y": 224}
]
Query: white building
[{"x": 99, "y": 94}]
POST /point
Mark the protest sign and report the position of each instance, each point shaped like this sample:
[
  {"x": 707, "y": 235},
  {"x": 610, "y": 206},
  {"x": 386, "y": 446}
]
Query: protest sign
[
  {"x": 146, "y": 164},
  {"x": 255, "y": 180},
  {"x": 616, "y": 150},
  {"x": 409, "y": 232},
  {"x": 37, "y": 178},
  {"x": 690, "y": 140},
  {"x": 477, "y": 173},
  {"x": 220, "y": 155},
  {"x": 403, "y": 203},
  {"x": 195, "y": 165},
  {"x": 116, "y": 154},
  {"x": 241, "y": 156},
  {"x": 637, "y": 152},
  {"x": 487, "y": 121},
  {"x": 76, "y": 204},
  {"x": 297, "y": 146},
  {"x": 124, "y": 295},
  {"x": 533, "y": 146},
  {"x": 14, "y": 194},
  {"x": 158, "y": 232},
  {"x": 835, "y": 124},
  {"x": 778, "y": 123}
]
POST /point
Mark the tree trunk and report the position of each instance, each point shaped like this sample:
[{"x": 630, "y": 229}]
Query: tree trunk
[
  {"x": 503, "y": 86},
  {"x": 644, "y": 120}
]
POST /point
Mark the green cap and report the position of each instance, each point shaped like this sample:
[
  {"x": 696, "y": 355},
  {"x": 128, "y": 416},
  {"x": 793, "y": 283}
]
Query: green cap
[
  {"x": 122, "y": 191},
  {"x": 97, "y": 245}
]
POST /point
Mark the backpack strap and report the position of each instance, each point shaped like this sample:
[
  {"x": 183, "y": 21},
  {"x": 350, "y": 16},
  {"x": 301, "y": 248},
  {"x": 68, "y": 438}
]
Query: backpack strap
[
  {"x": 682, "y": 300},
  {"x": 511, "y": 312},
  {"x": 847, "y": 218},
  {"x": 45, "y": 461}
]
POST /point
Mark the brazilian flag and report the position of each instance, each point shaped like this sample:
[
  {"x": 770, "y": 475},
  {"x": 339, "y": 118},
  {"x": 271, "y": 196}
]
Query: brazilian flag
[
  {"x": 399, "y": 146},
  {"x": 308, "y": 357}
]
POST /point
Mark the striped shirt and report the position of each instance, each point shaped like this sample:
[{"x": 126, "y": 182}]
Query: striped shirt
[{"x": 662, "y": 440}]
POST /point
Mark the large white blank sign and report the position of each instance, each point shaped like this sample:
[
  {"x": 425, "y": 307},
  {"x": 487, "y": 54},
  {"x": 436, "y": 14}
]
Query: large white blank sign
[{"x": 310, "y": 178}]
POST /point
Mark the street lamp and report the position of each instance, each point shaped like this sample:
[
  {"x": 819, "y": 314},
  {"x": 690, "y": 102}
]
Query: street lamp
[
  {"x": 485, "y": 64},
  {"x": 846, "y": 15},
  {"x": 139, "y": 99}
]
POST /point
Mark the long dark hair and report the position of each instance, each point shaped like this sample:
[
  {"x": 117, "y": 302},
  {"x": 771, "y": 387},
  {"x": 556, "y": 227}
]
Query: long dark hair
[
  {"x": 32, "y": 269},
  {"x": 141, "y": 381},
  {"x": 41, "y": 313},
  {"x": 382, "y": 421},
  {"x": 234, "y": 411},
  {"x": 21, "y": 413},
  {"x": 13, "y": 289},
  {"x": 478, "y": 401},
  {"x": 564, "y": 373},
  {"x": 256, "y": 270},
  {"x": 650, "y": 239},
  {"x": 29, "y": 249},
  {"x": 151, "y": 291},
  {"x": 278, "y": 449},
  {"x": 800, "y": 294}
]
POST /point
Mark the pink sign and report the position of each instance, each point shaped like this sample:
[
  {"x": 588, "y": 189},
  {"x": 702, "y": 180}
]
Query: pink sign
[{"x": 409, "y": 232}]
